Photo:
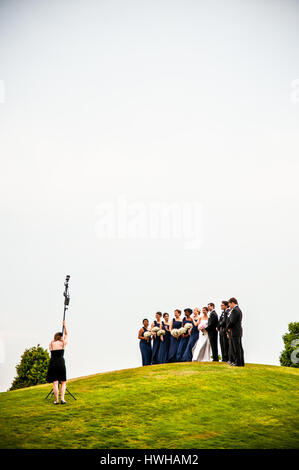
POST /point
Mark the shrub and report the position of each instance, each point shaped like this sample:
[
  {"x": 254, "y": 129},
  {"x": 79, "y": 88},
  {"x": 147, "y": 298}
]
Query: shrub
[
  {"x": 290, "y": 346},
  {"x": 32, "y": 369}
]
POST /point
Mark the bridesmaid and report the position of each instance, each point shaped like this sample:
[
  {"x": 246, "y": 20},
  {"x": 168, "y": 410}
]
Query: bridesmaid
[
  {"x": 184, "y": 338},
  {"x": 156, "y": 341},
  {"x": 145, "y": 344},
  {"x": 176, "y": 322},
  {"x": 164, "y": 345},
  {"x": 193, "y": 338}
]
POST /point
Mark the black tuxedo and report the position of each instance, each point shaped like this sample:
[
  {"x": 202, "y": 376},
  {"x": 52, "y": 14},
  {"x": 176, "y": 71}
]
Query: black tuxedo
[
  {"x": 224, "y": 343},
  {"x": 213, "y": 334},
  {"x": 231, "y": 354},
  {"x": 234, "y": 324}
]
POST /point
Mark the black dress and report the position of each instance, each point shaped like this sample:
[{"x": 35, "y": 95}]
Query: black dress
[{"x": 56, "y": 370}]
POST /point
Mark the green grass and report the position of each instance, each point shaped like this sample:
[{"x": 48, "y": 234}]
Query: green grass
[{"x": 176, "y": 406}]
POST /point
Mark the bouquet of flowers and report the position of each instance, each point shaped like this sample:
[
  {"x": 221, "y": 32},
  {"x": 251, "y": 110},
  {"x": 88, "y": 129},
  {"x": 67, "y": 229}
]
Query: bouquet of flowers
[
  {"x": 182, "y": 330},
  {"x": 175, "y": 332},
  {"x": 147, "y": 334},
  {"x": 201, "y": 328},
  {"x": 155, "y": 329},
  {"x": 161, "y": 332},
  {"x": 188, "y": 326}
]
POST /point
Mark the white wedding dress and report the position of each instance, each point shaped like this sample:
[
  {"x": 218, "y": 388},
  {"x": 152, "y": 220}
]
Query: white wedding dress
[{"x": 202, "y": 349}]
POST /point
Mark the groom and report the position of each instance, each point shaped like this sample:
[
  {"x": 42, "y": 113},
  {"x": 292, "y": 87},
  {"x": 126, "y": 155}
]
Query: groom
[{"x": 212, "y": 330}]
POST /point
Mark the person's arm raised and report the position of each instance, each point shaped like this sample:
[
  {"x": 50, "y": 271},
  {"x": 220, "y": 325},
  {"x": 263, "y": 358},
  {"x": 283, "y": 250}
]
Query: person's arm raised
[{"x": 65, "y": 336}]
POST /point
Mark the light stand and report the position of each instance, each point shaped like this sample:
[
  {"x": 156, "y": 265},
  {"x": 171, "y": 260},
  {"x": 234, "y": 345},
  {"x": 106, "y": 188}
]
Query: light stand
[{"x": 66, "y": 306}]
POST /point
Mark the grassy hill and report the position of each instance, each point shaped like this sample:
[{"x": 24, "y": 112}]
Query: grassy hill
[{"x": 183, "y": 406}]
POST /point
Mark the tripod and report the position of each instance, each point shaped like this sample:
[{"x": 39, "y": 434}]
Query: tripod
[{"x": 52, "y": 393}]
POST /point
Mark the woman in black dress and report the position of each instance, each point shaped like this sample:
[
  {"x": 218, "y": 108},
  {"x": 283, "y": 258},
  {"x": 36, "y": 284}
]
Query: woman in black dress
[{"x": 56, "y": 371}]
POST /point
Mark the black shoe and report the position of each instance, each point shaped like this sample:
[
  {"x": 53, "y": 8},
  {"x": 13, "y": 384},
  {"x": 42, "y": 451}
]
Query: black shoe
[
  {"x": 63, "y": 402},
  {"x": 56, "y": 402},
  {"x": 232, "y": 364}
]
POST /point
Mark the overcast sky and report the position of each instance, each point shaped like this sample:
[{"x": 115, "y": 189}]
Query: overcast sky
[{"x": 113, "y": 110}]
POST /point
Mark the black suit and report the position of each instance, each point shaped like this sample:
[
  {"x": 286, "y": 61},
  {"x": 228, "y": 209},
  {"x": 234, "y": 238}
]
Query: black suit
[
  {"x": 231, "y": 355},
  {"x": 224, "y": 344},
  {"x": 213, "y": 334},
  {"x": 234, "y": 324}
]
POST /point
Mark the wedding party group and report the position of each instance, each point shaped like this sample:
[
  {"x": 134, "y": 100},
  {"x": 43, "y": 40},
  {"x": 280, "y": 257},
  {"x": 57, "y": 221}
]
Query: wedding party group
[{"x": 195, "y": 337}]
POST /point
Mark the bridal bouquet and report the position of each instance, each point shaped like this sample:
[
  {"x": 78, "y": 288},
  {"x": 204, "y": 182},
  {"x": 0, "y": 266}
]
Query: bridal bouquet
[
  {"x": 188, "y": 326},
  {"x": 155, "y": 329},
  {"x": 161, "y": 332},
  {"x": 175, "y": 332},
  {"x": 201, "y": 328},
  {"x": 182, "y": 330},
  {"x": 147, "y": 334}
]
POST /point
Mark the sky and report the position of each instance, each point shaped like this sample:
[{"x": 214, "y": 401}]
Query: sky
[{"x": 150, "y": 150}]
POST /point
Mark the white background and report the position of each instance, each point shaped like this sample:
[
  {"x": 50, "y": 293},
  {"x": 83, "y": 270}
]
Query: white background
[{"x": 159, "y": 101}]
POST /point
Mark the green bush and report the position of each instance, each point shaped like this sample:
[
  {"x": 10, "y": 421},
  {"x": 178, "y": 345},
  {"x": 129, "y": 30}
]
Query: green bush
[
  {"x": 289, "y": 343},
  {"x": 32, "y": 369}
]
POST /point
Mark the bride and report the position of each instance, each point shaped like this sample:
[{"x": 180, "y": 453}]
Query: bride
[{"x": 202, "y": 349}]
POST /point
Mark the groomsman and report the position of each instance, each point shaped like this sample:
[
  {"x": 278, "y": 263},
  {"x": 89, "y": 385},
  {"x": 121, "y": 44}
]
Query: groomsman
[
  {"x": 222, "y": 331},
  {"x": 212, "y": 330},
  {"x": 234, "y": 327},
  {"x": 231, "y": 357}
]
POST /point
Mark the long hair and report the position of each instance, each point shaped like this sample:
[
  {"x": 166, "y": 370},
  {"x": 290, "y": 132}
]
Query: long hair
[{"x": 58, "y": 336}]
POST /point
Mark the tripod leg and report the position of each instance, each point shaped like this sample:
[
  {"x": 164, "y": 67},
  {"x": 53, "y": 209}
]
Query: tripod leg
[
  {"x": 50, "y": 393},
  {"x": 71, "y": 394}
]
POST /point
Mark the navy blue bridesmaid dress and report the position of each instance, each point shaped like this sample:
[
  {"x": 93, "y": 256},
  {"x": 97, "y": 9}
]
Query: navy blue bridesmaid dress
[
  {"x": 183, "y": 343},
  {"x": 146, "y": 350},
  {"x": 174, "y": 342},
  {"x": 156, "y": 345},
  {"x": 193, "y": 338},
  {"x": 164, "y": 345}
]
